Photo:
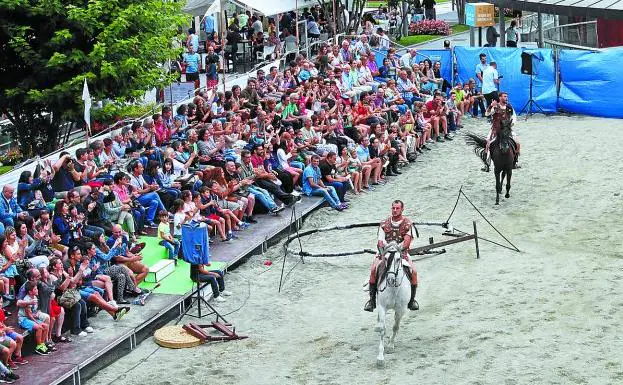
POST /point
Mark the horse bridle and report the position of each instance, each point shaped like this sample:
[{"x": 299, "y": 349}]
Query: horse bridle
[{"x": 394, "y": 271}]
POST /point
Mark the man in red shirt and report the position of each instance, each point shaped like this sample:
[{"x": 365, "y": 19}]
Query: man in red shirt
[{"x": 436, "y": 112}]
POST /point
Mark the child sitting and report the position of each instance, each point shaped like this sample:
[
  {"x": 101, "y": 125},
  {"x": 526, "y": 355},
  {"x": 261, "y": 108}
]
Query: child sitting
[
  {"x": 166, "y": 239},
  {"x": 13, "y": 341},
  {"x": 33, "y": 320}
]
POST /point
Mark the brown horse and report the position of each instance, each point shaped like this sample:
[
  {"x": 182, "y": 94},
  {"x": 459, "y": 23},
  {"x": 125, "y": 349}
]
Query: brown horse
[{"x": 503, "y": 155}]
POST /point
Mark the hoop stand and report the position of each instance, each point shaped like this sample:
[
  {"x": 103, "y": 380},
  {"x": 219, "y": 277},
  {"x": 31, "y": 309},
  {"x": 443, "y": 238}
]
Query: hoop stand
[
  {"x": 293, "y": 222},
  {"x": 531, "y": 103}
]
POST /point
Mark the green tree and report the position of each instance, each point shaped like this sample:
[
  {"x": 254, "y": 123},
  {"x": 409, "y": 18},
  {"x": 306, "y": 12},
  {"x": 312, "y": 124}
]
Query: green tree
[{"x": 48, "y": 48}]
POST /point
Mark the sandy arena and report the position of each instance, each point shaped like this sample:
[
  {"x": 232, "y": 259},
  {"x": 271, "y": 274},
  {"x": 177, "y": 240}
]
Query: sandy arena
[{"x": 551, "y": 314}]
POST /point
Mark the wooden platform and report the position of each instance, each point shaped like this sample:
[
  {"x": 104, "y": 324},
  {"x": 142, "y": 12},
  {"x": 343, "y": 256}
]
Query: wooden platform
[{"x": 111, "y": 340}]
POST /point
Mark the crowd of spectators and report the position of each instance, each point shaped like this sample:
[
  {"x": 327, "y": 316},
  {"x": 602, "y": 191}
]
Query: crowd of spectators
[{"x": 335, "y": 127}]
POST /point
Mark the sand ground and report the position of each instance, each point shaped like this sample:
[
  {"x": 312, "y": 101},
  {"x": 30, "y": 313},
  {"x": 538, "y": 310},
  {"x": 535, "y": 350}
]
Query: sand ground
[{"x": 551, "y": 314}]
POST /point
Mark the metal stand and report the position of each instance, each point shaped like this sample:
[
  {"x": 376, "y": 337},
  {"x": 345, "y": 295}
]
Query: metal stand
[
  {"x": 531, "y": 103},
  {"x": 197, "y": 299},
  {"x": 293, "y": 222}
]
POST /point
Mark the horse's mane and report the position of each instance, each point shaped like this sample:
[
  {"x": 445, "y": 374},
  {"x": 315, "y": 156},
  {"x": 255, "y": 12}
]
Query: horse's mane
[{"x": 480, "y": 144}]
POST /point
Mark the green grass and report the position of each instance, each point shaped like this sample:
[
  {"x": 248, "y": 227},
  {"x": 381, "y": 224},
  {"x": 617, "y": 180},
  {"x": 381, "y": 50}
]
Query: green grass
[
  {"x": 5, "y": 169},
  {"x": 458, "y": 28},
  {"x": 417, "y": 39}
]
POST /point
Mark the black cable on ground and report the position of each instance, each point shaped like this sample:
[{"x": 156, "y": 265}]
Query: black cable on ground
[{"x": 458, "y": 196}]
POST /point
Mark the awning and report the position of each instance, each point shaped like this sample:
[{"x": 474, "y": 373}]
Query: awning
[
  {"x": 273, "y": 7},
  {"x": 606, "y": 9},
  {"x": 197, "y": 7}
]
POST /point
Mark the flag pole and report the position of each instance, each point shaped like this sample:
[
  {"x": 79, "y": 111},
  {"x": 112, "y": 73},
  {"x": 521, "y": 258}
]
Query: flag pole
[
  {"x": 223, "y": 35},
  {"x": 296, "y": 23}
]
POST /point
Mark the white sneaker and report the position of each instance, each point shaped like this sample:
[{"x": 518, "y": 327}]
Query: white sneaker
[
  {"x": 82, "y": 334},
  {"x": 295, "y": 193},
  {"x": 113, "y": 303},
  {"x": 219, "y": 299},
  {"x": 226, "y": 293},
  {"x": 88, "y": 329}
]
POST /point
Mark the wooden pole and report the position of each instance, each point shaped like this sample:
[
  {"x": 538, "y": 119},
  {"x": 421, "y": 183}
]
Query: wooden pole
[{"x": 476, "y": 241}]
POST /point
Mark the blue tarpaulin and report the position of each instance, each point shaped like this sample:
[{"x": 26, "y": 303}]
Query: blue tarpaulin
[
  {"x": 514, "y": 82},
  {"x": 590, "y": 82}
]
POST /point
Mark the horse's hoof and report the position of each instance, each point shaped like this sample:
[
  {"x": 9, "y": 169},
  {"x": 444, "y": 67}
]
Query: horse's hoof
[
  {"x": 389, "y": 349},
  {"x": 507, "y": 195},
  {"x": 497, "y": 203},
  {"x": 380, "y": 363}
]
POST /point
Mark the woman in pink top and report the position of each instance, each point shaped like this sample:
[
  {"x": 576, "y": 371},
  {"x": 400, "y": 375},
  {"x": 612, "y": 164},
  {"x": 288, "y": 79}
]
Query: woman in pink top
[
  {"x": 163, "y": 135},
  {"x": 122, "y": 191}
]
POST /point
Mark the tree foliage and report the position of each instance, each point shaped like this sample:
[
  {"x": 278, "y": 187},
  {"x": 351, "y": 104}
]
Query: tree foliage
[{"x": 48, "y": 48}]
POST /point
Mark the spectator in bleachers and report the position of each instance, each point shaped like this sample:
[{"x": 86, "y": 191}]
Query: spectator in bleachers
[
  {"x": 145, "y": 193},
  {"x": 128, "y": 256},
  {"x": 33, "y": 319},
  {"x": 101, "y": 262},
  {"x": 166, "y": 239},
  {"x": 63, "y": 283},
  {"x": 10, "y": 211}
]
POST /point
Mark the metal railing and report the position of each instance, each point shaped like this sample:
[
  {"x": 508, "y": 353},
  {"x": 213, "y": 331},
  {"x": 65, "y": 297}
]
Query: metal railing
[{"x": 581, "y": 35}]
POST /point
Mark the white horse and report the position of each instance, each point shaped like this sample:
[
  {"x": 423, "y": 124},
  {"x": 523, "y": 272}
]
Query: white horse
[{"x": 393, "y": 292}]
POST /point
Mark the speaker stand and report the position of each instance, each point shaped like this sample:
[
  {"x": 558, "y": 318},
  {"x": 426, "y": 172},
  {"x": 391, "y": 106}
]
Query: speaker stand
[{"x": 531, "y": 103}]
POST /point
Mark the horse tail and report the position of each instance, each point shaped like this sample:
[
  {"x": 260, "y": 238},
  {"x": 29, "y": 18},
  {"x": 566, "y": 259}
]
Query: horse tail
[{"x": 479, "y": 143}]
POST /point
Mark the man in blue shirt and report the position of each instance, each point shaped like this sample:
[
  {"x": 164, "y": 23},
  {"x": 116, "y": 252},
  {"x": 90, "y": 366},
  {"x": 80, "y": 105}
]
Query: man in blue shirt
[
  {"x": 312, "y": 185},
  {"x": 480, "y": 69},
  {"x": 363, "y": 154},
  {"x": 9, "y": 209},
  {"x": 208, "y": 27},
  {"x": 193, "y": 66},
  {"x": 408, "y": 90},
  {"x": 192, "y": 40}
]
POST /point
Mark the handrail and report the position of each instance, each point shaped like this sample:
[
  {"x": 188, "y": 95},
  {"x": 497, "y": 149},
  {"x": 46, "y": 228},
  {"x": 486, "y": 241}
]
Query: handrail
[
  {"x": 556, "y": 32},
  {"x": 571, "y": 25},
  {"x": 572, "y": 46}
]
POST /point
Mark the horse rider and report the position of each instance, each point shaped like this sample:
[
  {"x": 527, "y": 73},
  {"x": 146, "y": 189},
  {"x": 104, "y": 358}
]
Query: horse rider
[
  {"x": 503, "y": 116},
  {"x": 397, "y": 229}
]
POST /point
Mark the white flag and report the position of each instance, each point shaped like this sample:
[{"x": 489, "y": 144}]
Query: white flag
[
  {"x": 215, "y": 7},
  {"x": 86, "y": 97}
]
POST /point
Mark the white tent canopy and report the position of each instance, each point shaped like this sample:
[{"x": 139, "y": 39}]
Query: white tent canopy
[
  {"x": 273, "y": 7},
  {"x": 197, "y": 7},
  {"x": 264, "y": 7}
]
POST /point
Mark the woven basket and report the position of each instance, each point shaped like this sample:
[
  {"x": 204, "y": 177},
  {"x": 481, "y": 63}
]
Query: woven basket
[{"x": 175, "y": 337}]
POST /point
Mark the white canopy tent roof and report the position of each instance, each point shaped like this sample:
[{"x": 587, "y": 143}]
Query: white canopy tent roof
[
  {"x": 273, "y": 7},
  {"x": 264, "y": 7},
  {"x": 197, "y": 7}
]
